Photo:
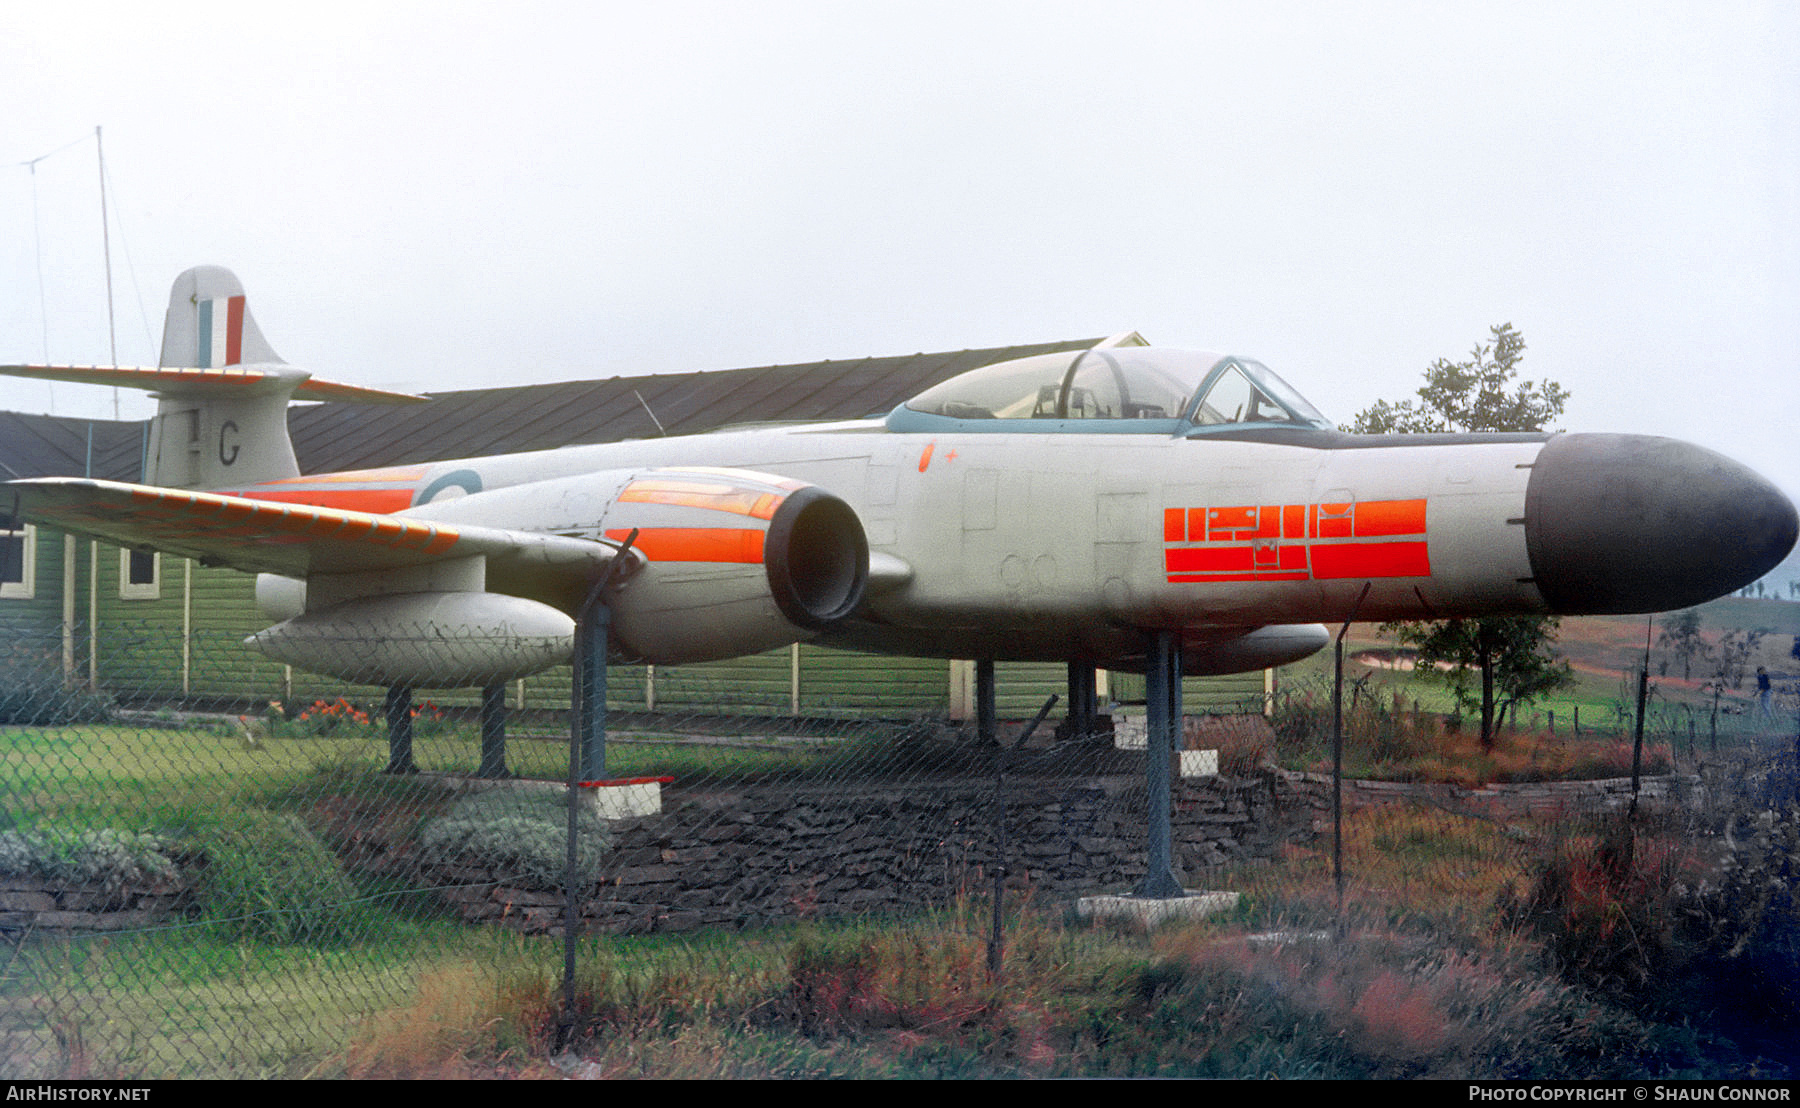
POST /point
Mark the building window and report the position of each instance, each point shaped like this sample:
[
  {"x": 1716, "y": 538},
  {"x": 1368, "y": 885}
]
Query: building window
[
  {"x": 140, "y": 574},
  {"x": 18, "y": 563}
]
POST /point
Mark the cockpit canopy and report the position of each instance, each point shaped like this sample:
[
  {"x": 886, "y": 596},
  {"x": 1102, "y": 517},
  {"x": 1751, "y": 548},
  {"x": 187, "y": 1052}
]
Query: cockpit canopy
[{"x": 1119, "y": 389}]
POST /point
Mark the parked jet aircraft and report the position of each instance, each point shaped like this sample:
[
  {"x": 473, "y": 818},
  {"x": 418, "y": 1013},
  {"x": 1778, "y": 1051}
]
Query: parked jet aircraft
[{"x": 1061, "y": 507}]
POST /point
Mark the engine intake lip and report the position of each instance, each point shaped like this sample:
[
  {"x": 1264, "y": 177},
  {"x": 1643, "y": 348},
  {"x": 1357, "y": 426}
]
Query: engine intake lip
[{"x": 817, "y": 558}]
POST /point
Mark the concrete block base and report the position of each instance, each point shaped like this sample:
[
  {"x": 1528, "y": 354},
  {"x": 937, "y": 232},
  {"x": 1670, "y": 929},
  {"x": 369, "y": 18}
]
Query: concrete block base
[
  {"x": 1199, "y": 763},
  {"x": 1151, "y": 911},
  {"x": 626, "y": 800}
]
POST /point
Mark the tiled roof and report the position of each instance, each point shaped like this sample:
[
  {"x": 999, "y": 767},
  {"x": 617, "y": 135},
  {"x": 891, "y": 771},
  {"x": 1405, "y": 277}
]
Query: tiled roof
[{"x": 56, "y": 446}]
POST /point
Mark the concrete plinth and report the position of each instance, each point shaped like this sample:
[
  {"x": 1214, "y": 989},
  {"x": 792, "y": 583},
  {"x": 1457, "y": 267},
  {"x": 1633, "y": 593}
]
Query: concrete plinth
[{"x": 1151, "y": 911}]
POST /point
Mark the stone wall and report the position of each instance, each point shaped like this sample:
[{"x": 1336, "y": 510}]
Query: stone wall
[
  {"x": 745, "y": 856},
  {"x": 1498, "y": 801},
  {"x": 30, "y": 901},
  {"x": 749, "y": 856}
]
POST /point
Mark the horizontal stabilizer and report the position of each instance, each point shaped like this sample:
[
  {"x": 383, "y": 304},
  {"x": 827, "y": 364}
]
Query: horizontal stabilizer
[
  {"x": 238, "y": 380},
  {"x": 294, "y": 540}
]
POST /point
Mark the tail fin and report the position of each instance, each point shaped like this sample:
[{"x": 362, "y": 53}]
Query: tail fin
[
  {"x": 208, "y": 324},
  {"x": 222, "y": 392}
]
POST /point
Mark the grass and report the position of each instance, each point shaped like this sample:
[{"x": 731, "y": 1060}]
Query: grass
[
  {"x": 1416, "y": 975},
  {"x": 189, "y": 1002},
  {"x": 102, "y": 774},
  {"x": 913, "y": 999},
  {"x": 1421, "y": 974}
]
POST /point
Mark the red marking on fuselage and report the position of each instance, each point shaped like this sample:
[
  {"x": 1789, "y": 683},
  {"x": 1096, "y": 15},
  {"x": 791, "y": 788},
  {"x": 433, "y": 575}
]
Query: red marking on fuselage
[
  {"x": 925, "y": 456},
  {"x": 1295, "y": 542}
]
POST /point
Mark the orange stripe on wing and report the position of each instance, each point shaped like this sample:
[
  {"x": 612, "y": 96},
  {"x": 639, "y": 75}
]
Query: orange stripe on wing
[
  {"x": 696, "y": 544},
  {"x": 375, "y": 501},
  {"x": 442, "y": 539}
]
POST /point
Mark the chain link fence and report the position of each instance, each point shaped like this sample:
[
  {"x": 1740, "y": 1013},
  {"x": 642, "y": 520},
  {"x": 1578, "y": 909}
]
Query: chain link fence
[{"x": 212, "y": 866}]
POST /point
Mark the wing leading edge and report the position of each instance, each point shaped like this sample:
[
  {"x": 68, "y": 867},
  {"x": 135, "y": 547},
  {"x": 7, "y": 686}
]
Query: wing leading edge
[{"x": 294, "y": 540}]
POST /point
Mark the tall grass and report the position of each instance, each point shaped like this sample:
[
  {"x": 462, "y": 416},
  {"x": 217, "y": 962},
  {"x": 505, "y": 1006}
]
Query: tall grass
[{"x": 1388, "y": 737}]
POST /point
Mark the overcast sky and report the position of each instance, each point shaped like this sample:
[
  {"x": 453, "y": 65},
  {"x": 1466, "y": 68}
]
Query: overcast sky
[{"x": 435, "y": 196}]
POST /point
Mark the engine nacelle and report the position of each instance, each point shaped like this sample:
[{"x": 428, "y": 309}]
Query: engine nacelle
[
  {"x": 792, "y": 563},
  {"x": 424, "y": 640},
  {"x": 725, "y": 562}
]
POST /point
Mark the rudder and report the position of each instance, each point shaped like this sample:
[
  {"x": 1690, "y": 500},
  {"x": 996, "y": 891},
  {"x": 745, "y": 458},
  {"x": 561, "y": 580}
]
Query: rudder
[{"x": 209, "y": 324}]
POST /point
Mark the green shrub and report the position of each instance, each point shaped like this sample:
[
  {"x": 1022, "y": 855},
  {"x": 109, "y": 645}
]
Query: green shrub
[
  {"x": 521, "y": 835},
  {"x": 105, "y": 856},
  {"x": 267, "y": 876},
  {"x": 1746, "y": 919},
  {"x": 1646, "y": 917}
]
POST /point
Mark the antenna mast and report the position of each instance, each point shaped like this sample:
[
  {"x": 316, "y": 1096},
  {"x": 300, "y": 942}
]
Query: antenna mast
[{"x": 112, "y": 340}]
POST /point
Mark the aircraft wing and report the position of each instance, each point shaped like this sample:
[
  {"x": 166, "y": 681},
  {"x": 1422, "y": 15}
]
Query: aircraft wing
[
  {"x": 220, "y": 380},
  {"x": 294, "y": 540}
]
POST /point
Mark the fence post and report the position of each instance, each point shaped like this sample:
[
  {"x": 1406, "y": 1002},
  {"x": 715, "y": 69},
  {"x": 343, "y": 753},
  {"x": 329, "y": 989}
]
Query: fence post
[
  {"x": 587, "y": 755},
  {"x": 1000, "y": 848},
  {"x": 397, "y": 709},
  {"x": 493, "y": 731}
]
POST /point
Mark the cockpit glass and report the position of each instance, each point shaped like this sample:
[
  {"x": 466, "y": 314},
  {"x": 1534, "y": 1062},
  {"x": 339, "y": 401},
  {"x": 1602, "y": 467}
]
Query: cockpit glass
[
  {"x": 1234, "y": 398},
  {"x": 1028, "y": 388},
  {"x": 1120, "y": 383},
  {"x": 1274, "y": 400}
]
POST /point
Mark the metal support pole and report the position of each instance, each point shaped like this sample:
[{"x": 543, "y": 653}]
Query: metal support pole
[
  {"x": 1162, "y": 710},
  {"x": 493, "y": 732},
  {"x": 1084, "y": 707},
  {"x": 987, "y": 724},
  {"x": 397, "y": 709}
]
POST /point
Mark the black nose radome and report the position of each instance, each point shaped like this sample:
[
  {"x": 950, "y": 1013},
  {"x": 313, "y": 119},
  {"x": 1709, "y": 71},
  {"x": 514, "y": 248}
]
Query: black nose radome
[{"x": 1635, "y": 523}]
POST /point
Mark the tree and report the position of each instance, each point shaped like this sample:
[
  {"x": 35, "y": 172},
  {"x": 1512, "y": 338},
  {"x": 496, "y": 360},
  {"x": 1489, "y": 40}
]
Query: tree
[
  {"x": 1472, "y": 395},
  {"x": 1511, "y": 654},
  {"x": 1737, "y": 648},
  {"x": 1495, "y": 664},
  {"x": 1681, "y": 637}
]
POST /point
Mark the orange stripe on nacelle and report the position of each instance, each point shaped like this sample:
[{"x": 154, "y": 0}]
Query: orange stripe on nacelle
[
  {"x": 696, "y": 544},
  {"x": 693, "y": 494}
]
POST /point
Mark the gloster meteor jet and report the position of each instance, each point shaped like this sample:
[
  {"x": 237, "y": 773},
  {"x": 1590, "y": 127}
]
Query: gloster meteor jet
[{"x": 1072, "y": 506}]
